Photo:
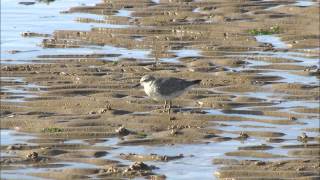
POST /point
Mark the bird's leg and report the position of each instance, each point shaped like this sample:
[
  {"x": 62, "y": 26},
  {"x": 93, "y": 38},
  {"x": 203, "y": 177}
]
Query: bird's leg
[
  {"x": 170, "y": 103},
  {"x": 165, "y": 105}
]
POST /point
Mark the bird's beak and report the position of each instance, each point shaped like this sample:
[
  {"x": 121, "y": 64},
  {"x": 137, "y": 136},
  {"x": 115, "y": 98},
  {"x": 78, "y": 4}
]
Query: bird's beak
[{"x": 136, "y": 85}]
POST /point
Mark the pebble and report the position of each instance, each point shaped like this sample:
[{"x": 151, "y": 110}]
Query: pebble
[
  {"x": 303, "y": 137},
  {"x": 244, "y": 135},
  {"x": 122, "y": 131},
  {"x": 33, "y": 156},
  {"x": 260, "y": 163}
]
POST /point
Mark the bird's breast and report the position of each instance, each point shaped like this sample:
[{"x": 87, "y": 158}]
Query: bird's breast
[{"x": 151, "y": 90}]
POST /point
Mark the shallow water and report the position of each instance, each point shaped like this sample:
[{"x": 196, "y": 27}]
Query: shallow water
[
  {"x": 183, "y": 168},
  {"x": 304, "y": 3},
  {"x": 124, "y": 13},
  {"x": 10, "y": 137},
  {"x": 287, "y": 76},
  {"x": 20, "y": 92},
  {"x": 274, "y": 40},
  {"x": 43, "y": 18},
  {"x": 299, "y": 3},
  {"x": 182, "y": 54}
]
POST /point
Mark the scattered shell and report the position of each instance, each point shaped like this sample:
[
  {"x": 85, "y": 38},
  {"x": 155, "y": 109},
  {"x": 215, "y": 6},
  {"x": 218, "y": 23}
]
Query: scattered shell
[
  {"x": 140, "y": 166},
  {"x": 33, "y": 156}
]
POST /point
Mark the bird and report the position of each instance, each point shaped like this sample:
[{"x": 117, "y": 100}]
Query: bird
[{"x": 166, "y": 88}]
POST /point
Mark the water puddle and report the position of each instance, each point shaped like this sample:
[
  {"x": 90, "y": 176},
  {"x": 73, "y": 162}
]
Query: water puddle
[
  {"x": 23, "y": 174},
  {"x": 124, "y": 13},
  {"x": 19, "y": 92},
  {"x": 10, "y": 137},
  {"x": 288, "y": 77},
  {"x": 123, "y": 52},
  {"x": 192, "y": 165},
  {"x": 45, "y": 19},
  {"x": 245, "y": 115},
  {"x": 183, "y": 53},
  {"x": 300, "y": 3},
  {"x": 304, "y": 3},
  {"x": 274, "y": 40}
]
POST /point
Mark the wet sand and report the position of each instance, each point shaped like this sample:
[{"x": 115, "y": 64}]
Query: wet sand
[{"x": 254, "y": 115}]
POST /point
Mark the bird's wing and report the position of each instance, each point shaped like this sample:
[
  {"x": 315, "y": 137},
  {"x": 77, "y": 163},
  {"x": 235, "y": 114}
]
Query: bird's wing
[{"x": 171, "y": 85}]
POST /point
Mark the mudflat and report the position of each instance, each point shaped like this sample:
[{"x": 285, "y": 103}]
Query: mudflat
[{"x": 254, "y": 115}]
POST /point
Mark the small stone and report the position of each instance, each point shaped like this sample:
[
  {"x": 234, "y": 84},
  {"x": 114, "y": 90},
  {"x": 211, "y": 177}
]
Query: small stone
[
  {"x": 260, "y": 163},
  {"x": 109, "y": 107},
  {"x": 293, "y": 118},
  {"x": 303, "y": 137},
  {"x": 300, "y": 169},
  {"x": 122, "y": 131},
  {"x": 172, "y": 118},
  {"x": 243, "y": 135},
  {"x": 101, "y": 111},
  {"x": 174, "y": 132},
  {"x": 139, "y": 166},
  {"x": 33, "y": 156},
  {"x": 112, "y": 170}
]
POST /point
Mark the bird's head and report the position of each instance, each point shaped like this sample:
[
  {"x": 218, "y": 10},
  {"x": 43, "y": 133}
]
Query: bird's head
[{"x": 146, "y": 79}]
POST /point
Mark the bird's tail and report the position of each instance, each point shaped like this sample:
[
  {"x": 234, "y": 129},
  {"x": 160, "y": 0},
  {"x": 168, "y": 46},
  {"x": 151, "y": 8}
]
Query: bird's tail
[{"x": 196, "y": 81}]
